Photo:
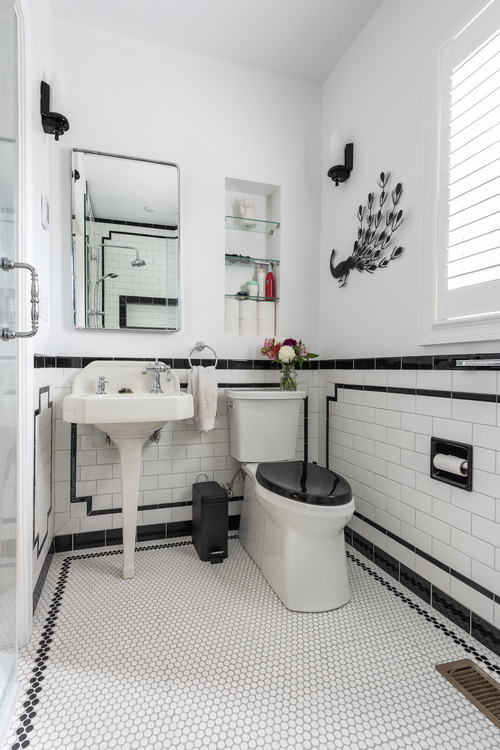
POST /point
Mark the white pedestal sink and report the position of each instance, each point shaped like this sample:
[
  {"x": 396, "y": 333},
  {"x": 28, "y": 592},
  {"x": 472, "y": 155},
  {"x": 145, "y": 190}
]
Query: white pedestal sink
[{"x": 129, "y": 419}]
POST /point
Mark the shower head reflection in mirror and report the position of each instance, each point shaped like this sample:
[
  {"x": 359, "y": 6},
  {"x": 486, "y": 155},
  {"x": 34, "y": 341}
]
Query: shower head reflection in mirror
[
  {"x": 96, "y": 317},
  {"x": 115, "y": 231}
]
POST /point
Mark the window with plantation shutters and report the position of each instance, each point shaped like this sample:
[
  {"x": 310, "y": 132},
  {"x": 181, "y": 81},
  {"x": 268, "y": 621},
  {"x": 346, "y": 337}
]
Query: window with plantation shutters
[{"x": 467, "y": 223}]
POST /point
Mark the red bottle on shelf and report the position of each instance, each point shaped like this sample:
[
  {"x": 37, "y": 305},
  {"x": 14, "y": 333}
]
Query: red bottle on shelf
[{"x": 270, "y": 285}]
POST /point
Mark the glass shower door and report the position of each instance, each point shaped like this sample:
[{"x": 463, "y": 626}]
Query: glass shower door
[{"x": 8, "y": 361}]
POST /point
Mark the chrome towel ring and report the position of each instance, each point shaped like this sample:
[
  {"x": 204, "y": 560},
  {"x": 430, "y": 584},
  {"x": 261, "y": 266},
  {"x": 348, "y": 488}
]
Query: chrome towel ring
[{"x": 199, "y": 346}]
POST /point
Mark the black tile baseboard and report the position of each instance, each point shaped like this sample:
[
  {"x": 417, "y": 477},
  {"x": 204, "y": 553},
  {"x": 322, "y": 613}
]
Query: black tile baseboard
[{"x": 112, "y": 537}]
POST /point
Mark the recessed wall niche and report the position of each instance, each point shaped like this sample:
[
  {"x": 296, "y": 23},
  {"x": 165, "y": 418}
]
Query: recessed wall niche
[{"x": 252, "y": 250}]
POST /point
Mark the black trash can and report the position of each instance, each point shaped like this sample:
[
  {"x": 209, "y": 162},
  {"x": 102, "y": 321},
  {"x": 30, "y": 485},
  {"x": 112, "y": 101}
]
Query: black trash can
[{"x": 210, "y": 521}]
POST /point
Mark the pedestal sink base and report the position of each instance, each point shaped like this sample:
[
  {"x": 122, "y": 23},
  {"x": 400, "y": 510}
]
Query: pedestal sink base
[
  {"x": 129, "y": 413},
  {"x": 130, "y": 450}
]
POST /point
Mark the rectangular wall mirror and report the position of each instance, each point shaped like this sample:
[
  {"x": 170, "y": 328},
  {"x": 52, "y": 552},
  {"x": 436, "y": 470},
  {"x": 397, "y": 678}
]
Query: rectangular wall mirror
[{"x": 125, "y": 238}]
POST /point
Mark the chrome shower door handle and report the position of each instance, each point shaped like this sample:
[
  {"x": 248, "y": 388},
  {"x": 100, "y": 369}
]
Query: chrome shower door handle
[{"x": 7, "y": 334}]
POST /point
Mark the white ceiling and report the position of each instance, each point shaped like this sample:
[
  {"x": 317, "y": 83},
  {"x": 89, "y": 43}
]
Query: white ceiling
[{"x": 300, "y": 38}]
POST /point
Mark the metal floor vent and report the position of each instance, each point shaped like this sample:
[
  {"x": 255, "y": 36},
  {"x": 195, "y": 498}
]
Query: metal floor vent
[{"x": 476, "y": 685}]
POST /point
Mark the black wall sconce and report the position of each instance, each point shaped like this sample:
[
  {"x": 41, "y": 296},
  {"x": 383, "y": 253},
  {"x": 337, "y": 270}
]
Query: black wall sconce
[
  {"x": 338, "y": 153},
  {"x": 53, "y": 123}
]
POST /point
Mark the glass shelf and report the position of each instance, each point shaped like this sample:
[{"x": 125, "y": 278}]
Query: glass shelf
[
  {"x": 245, "y": 260},
  {"x": 257, "y": 299},
  {"x": 251, "y": 225}
]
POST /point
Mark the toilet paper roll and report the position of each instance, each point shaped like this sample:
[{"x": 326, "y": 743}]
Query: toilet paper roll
[
  {"x": 265, "y": 328},
  {"x": 265, "y": 311},
  {"x": 248, "y": 327},
  {"x": 451, "y": 464},
  {"x": 232, "y": 308},
  {"x": 232, "y": 326},
  {"x": 248, "y": 309}
]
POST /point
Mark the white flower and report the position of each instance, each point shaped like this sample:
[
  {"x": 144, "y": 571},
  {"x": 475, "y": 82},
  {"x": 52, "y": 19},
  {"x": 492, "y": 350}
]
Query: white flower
[{"x": 286, "y": 354}]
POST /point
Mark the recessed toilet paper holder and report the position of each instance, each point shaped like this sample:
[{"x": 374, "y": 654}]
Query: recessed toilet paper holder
[{"x": 451, "y": 463}]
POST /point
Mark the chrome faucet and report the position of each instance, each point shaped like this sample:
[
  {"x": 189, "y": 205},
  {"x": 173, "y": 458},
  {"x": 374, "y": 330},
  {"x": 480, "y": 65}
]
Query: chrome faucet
[
  {"x": 101, "y": 385},
  {"x": 157, "y": 368}
]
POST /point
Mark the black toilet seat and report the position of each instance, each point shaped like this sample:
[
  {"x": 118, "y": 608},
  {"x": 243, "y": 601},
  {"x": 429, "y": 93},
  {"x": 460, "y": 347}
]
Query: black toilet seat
[{"x": 304, "y": 482}]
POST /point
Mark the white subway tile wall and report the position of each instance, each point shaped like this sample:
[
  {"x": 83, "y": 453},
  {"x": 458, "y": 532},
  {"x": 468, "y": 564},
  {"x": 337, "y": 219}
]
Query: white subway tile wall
[
  {"x": 379, "y": 440},
  {"x": 383, "y": 449},
  {"x": 168, "y": 468}
]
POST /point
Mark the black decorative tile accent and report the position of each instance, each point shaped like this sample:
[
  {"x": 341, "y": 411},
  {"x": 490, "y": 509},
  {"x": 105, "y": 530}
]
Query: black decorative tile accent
[
  {"x": 89, "y": 539},
  {"x": 153, "y": 531},
  {"x": 401, "y": 541},
  {"x": 445, "y": 361},
  {"x": 377, "y": 388},
  {"x": 41, "y": 578},
  {"x": 432, "y": 393},
  {"x": 465, "y": 396},
  {"x": 388, "y": 363},
  {"x": 68, "y": 362},
  {"x": 327, "y": 364},
  {"x": 472, "y": 584},
  {"x": 39, "y": 543},
  {"x": 415, "y": 583},
  {"x": 432, "y": 560},
  {"x": 423, "y": 362},
  {"x": 63, "y": 543},
  {"x": 234, "y": 523},
  {"x": 179, "y": 528},
  {"x": 114, "y": 536},
  {"x": 361, "y": 544},
  {"x": 451, "y": 609},
  {"x": 386, "y": 562},
  {"x": 344, "y": 364},
  {"x": 348, "y": 535},
  {"x": 485, "y": 633},
  {"x": 38, "y": 361},
  {"x": 364, "y": 364},
  {"x": 240, "y": 364},
  {"x": 417, "y": 363},
  {"x": 264, "y": 364}
]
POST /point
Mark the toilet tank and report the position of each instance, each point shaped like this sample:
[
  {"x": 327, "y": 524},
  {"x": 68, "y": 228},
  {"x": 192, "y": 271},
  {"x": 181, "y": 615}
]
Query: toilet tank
[{"x": 263, "y": 423}]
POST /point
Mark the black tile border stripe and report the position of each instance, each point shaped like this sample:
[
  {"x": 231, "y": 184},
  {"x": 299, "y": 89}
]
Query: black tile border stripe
[
  {"x": 446, "y": 568},
  {"x": 418, "y": 362},
  {"x": 473, "y": 625},
  {"x": 429, "y": 392},
  {"x": 28, "y": 715},
  {"x": 39, "y": 545}
]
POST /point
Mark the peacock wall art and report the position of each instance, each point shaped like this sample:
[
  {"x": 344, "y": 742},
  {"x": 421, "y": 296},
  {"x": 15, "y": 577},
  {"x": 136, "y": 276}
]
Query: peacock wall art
[{"x": 378, "y": 222}]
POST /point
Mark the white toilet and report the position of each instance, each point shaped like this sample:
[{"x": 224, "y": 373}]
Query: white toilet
[{"x": 293, "y": 513}]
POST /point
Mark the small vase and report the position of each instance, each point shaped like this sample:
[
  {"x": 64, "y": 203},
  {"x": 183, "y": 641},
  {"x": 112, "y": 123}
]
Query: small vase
[{"x": 288, "y": 378}]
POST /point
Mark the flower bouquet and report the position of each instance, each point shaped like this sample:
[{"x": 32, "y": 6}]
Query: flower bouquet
[{"x": 288, "y": 353}]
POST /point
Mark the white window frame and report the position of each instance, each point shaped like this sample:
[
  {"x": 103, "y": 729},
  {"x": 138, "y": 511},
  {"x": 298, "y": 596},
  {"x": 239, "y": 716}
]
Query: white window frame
[{"x": 433, "y": 330}]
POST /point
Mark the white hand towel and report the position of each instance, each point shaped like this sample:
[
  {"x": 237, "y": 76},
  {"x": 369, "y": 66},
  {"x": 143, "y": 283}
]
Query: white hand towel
[{"x": 202, "y": 384}]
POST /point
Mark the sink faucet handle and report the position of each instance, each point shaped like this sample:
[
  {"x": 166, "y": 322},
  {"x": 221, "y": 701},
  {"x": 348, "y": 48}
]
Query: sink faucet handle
[
  {"x": 157, "y": 368},
  {"x": 101, "y": 384}
]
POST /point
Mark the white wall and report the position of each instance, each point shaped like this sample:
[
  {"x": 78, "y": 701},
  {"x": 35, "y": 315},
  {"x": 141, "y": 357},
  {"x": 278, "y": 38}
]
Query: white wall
[
  {"x": 38, "y": 249},
  {"x": 377, "y": 96},
  {"x": 215, "y": 120}
]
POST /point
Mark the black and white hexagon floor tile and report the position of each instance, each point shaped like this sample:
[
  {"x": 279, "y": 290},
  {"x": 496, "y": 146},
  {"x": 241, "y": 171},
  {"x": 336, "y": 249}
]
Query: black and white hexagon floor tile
[{"x": 191, "y": 655}]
